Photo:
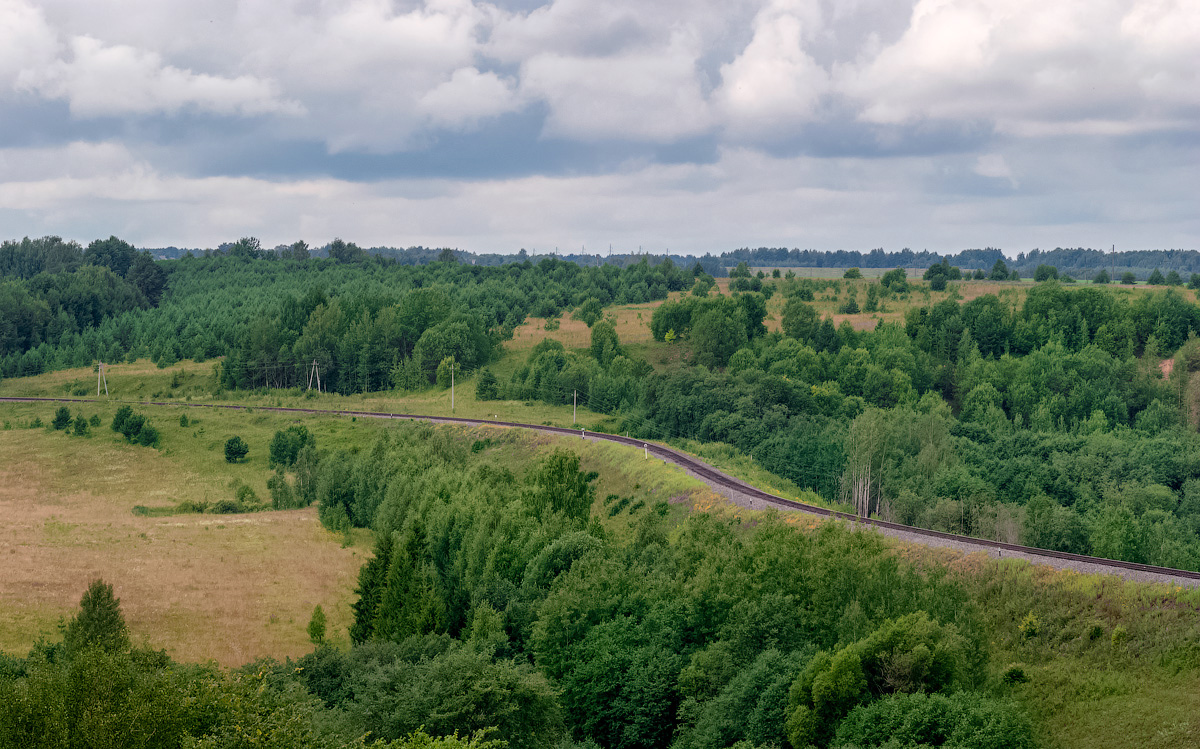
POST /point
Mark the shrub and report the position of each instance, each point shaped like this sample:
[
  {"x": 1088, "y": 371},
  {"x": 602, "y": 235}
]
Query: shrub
[
  {"x": 95, "y": 420},
  {"x": 962, "y": 719},
  {"x": 1119, "y": 636},
  {"x": 62, "y": 418},
  {"x": 316, "y": 626},
  {"x": 1030, "y": 626},
  {"x": 488, "y": 387},
  {"x": 235, "y": 449},
  {"x": 852, "y": 273},
  {"x": 937, "y": 283},
  {"x": 81, "y": 426},
  {"x": 589, "y": 312},
  {"x": 1014, "y": 674},
  {"x": 118, "y": 422},
  {"x": 147, "y": 435},
  {"x": 444, "y": 373},
  {"x": 282, "y": 496},
  {"x": 99, "y": 622},
  {"x": 287, "y": 444},
  {"x": 183, "y": 421}
]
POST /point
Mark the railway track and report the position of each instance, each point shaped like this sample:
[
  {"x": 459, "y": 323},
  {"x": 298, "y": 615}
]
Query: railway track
[{"x": 745, "y": 494}]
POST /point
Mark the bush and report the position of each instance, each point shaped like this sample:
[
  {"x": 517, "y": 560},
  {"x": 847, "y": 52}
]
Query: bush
[
  {"x": 1119, "y": 636},
  {"x": 62, "y": 418},
  {"x": 937, "y": 283},
  {"x": 95, "y": 420},
  {"x": 589, "y": 312},
  {"x": 287, "y": 444},
  {"x": 183, "y": 421},
  {"x": 316, "y": 626},
  {"x": 99, "y": 622},
  {"x": 235, "y": 449},
  {"x": 488, "y": 387},
  {"x": 81, "y": 426},
  {"x": 1014, "y": 674},
  {"x": 118, "y": 422},
  {"x": 147, "y": 436},
  {"x": 445, "y": 377},
  {"x": 1030, "y": 626},
  {"x": 959, "y": 720},
  {"x": 852, "y": 273}
]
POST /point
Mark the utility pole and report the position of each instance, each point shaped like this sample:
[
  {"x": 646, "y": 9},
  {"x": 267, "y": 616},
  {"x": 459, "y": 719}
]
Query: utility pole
[
  {"x": 452, "y": 387},
  {"x": 99, "y": 377},
  {"x": 314, "y": 372},
  {"x": 574, "y": 407}
]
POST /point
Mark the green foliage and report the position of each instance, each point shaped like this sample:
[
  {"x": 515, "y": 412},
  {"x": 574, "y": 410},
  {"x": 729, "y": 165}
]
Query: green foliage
[
  {"x": 1045, "y": 273},
  {"x": 183, "y": 421},
  {"x": 316, "y": 626},
  {"x": 99, "y": 623},
  {"x": 589, "y": 312},
  {"x": 445, "y": 372},
  {"x": 1102, "y": 277},
  {"x": 915, "y": 721},
  {"x": 81, "y": 426},
  {"x": 999, "y": 271},
  {"x": 1128, "y": 278},
  {"x": 235, "y": 449},
  {"x": 852, "y": 273},
  {"x": 487, "y": 387},
  {"x": 895, "y": 280},
  {"x": 1156, "y": 278},
  {"x": 287, "y": 444},
  {"x": 62, "y": 418}
]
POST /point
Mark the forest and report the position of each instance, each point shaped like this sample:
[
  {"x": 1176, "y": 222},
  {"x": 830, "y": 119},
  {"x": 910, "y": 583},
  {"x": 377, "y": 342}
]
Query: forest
[
  {"x": 506, "y": 603},
  {"x": 499, "y": 609},
  {"x": 1046, "y": 421}
]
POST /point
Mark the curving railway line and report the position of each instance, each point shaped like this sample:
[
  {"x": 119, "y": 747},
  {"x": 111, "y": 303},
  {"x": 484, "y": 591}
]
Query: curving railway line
[{"x": 752, "y": 497}]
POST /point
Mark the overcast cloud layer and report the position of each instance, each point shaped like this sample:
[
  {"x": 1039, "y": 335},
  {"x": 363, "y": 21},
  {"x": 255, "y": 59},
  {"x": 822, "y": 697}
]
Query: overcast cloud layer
[{"x": 694, "y": 125}]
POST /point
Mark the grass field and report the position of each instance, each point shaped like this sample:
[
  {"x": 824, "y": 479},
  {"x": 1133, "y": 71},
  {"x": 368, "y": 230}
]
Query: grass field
[{"x": 229, "y": 588}]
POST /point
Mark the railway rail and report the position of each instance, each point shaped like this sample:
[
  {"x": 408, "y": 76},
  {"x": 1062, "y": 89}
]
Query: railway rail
[{"x": 743, "y": 493}]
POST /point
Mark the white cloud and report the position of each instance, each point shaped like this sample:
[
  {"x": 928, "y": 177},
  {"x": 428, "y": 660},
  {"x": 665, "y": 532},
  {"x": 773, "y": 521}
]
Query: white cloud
[
  {"x": 1036, "y": 68},
  {"x": 26, "y": 40},
  {"x": 651, "y": 95},
  {"x": 994, "y": 165},
  {"x": 773, "y": 84},
  {"x": 101, "y": 80},
  {"x": 468, "y": 97}
]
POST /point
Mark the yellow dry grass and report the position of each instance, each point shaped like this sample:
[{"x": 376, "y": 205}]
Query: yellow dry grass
[{"x": 229, "y": 588}]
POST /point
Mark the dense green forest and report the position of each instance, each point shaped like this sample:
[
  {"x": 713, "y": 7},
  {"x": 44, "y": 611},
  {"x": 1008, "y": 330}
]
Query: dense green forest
[
  {"x": 358, "y": 316},
  {"x": 1045, "y": 421},
  {"x": 500, "y": 606}
]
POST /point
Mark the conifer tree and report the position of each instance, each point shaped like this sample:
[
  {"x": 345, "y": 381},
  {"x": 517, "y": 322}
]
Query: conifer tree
[{"x": 99, "y": 622}]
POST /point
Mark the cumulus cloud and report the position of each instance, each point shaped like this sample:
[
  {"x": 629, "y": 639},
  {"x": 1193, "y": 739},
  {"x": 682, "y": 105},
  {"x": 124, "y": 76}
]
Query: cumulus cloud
[
  {"x": 670, "y": 119},
  {"x": 649, "y": 94},
  {"x": 1034, "y": 68},
  {"x": 26, "y": 40},
  {"x": 773, "y": 84},
  {"x": 467, "y": 98},
  {"x": 102, "y": 80}
]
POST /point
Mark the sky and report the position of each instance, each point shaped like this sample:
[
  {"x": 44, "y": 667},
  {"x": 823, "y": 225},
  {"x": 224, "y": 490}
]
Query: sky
[{"x": 684, "y": 125}]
